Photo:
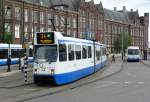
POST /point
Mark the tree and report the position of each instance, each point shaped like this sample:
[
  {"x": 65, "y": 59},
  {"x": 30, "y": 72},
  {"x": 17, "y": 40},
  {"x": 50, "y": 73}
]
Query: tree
[
  {"x": 127, "y": 40},
  {"x": 8, "y": 38}
]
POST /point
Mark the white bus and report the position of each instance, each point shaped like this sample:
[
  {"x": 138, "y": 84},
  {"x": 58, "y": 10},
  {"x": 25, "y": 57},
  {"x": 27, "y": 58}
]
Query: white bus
[{"x": 133, "y": 53}]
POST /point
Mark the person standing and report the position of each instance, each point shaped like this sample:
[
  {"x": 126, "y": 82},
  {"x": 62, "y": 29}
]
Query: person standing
[{"x": 8, "y": 63}]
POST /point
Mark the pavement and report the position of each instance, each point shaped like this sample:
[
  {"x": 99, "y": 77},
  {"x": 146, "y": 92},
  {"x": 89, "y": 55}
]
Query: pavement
[{"x": 14, "y": 70}]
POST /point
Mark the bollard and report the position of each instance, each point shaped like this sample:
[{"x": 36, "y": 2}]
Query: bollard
[{"x": 25, "y": 68}]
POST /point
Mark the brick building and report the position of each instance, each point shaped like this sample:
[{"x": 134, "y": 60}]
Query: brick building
[{"x": 76, "y": 18}]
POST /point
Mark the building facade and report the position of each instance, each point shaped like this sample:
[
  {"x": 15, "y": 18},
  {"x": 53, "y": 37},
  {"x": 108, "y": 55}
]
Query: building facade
[{"x": 76, "y": 18}]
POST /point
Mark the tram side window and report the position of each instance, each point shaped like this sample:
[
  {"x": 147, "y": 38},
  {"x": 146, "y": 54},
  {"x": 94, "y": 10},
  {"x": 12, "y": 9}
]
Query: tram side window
[
  {"x": 78, "y": 51},
  {"x": 21, "y": 52},
  {"x": 71, "y": 52},
  {"x": 84, "y": 52},
  {"x": 14, "y": 53},
  {"x": 89, "y": 52},
  {"x": 62, "y": 52},
  {"x": 103, "y": 51},
  {"x": 3, "y": 53},
  {"x": 97, "y": 54}
]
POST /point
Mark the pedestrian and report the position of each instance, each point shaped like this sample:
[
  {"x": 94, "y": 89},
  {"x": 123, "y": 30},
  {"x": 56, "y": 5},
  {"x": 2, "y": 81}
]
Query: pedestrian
[
  {"x": 8, "y": 63},
  {"x": 113, "y": 58},
  {"x": 22, "y": 64},
  {"x": 19, "y": 60}
]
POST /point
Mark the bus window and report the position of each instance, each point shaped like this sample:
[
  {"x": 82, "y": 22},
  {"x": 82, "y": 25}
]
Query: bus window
[
  {"x": 78, "y": 51},
  {"x": 84, "y": 52},
  {"x": 71, "y": 52},
  {"x": 62, "y": 52}
]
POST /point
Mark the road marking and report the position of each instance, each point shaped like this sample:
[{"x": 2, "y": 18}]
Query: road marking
[
  {"x": 29, "y": 89},
  {"x": 127, "y": 82},
  {"x": 107, "y": 84},
  {"x": 140, "y": 82}
]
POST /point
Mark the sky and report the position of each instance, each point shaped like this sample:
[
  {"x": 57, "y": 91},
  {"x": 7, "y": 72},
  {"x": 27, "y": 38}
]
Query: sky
[{"x": 143, "y": 6}]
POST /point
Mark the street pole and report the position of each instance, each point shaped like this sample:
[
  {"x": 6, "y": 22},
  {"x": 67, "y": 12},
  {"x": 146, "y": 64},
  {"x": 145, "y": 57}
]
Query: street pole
[
  {"x": 3, "y": 20},
  {"x": 122, "y": 47}
]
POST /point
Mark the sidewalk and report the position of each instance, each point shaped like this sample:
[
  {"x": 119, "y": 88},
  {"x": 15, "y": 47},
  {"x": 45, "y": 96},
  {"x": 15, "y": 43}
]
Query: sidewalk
[
  {"x": 14, "y": 70},
  {"x": 147, "y": 62}
]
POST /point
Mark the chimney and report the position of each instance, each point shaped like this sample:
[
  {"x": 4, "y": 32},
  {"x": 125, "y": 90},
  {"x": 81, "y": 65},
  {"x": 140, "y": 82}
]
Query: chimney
[
  {"x": 115, "y": 8},
  {"x": 146, "y": 14},
  {"x": 131, "y": 10},
  {"x": 124, "y": 8}
]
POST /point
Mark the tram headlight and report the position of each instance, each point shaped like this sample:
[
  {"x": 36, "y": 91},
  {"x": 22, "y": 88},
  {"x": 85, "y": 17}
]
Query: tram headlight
[
  {"x": 35, "y": 70},
  {"x": 52, "y": 71}
]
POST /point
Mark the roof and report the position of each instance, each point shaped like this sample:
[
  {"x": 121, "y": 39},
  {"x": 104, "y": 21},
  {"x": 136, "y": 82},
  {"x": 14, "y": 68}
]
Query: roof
[
  {"x": 72, "y": 4},
  {"x": 116, "y": 16}
]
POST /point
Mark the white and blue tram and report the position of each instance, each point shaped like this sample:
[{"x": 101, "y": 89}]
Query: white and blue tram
[
  {"x": 133, "y": 53},
  {"x": 15, "y": 51},
  {"x": 65, "y": 59}
]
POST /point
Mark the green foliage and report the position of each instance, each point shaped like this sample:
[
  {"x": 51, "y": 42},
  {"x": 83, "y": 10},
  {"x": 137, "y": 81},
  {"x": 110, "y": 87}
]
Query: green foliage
[
  {"x": 127, "y": 40},
  {"x": 8, "y": 38}
]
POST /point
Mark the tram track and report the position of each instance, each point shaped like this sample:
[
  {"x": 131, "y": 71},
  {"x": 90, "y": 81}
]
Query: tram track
[{"x": 74, "y": 85}]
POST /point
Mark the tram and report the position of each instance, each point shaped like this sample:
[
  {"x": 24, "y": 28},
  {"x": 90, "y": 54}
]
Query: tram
[
  {"x": 133, "y": 53},
  {"x": 65, "y": 59},
  {"x": 15, "y": 51}
]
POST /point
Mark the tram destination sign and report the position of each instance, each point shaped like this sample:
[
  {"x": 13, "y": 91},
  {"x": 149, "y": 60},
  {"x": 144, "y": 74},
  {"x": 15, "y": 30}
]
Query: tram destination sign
[{"x": 45, "y": 38}]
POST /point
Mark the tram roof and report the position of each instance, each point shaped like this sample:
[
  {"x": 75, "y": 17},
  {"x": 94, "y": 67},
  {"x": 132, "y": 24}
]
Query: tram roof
[{"x": 3, "y": 45}]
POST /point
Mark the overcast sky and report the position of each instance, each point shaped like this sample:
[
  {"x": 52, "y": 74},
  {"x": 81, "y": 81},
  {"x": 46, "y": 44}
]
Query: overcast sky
[{"x": 143, "y": 6}]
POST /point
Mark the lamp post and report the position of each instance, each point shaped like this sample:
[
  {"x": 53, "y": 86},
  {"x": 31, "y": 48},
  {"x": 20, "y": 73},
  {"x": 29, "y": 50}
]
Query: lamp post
[{"x": 122, "y": 46}]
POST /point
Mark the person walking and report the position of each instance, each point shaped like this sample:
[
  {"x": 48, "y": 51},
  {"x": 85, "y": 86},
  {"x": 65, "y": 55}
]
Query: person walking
[
  {"x": 113, "y": 58},
  {"x": 22, "y": 64},
  {"x": 8, "y": 63}
]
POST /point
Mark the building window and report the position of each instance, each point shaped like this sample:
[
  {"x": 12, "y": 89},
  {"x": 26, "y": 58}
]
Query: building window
[
  {"x": 26, "y": 32},
  {"x": 62, "y": 21},
  {"x": 41, "y": 17},
  {"x": 42, "y": 29},
  {"x": 56, "y": 20},
  {"x": 17, "y": 31},
  {"x": 7, "y": 12},
  {"x": 49, "y": 29},
  {"x": 74, "y": 23},
  {"x": 7, "y": 27},
  {"x": 17, "y": 13},
  {"x": 34, "y": 16},
  {"x": 49, "y": 19},
  {"x": 26, "y": 15}
]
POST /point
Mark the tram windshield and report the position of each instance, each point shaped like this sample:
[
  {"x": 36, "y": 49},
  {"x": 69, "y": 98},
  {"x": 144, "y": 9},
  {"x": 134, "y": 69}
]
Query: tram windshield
[
  {"x": 46, "y": 53},
  {"x": 133, "y": 52}
]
